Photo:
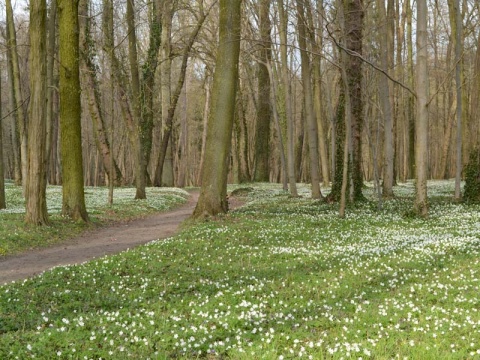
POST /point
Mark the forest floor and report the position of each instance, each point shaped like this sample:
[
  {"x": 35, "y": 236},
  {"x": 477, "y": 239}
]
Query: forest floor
[{"x": 96, "y": 243}]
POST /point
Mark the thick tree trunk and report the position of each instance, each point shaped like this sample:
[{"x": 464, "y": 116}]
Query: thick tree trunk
[
  {"x": 354, "y": 13},
  {"x": 21, "y": 119},
  {"x": 264, "y": 112},
  {"x": 36, "y": 181},
  {"x": 421, "y": 123},
  {"x": 213, "y": 195},
  {"x": 288, "y": 99},
  {"x": 309, "y": 110},
  {"x": 73, "y": 202}
]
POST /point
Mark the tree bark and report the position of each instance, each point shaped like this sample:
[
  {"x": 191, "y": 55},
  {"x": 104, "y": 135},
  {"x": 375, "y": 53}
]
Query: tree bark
[
  {"x": 51, "y": 42},
  {"x": 213, "y": 199},
  {"x": 36, "y": 181},
  {"x": 14, "y": 116},
  {"x": 421, "y": 123},
  {"x": 309, "y": 110},
  {"x": 288, "y": 99},
  {"x": 264, "y": 112},
  {"x": 384, "y": 94},
  {"x": 73, "y": 200},
  {"x": 316, "y": 41},
  {"x": 12, "y": 43},
  {"x": 3, "y": 204},
  {"x": 457, "y": 30},
  {"x": 140, "y": 164},
  {"x": 354, "y": 13}
]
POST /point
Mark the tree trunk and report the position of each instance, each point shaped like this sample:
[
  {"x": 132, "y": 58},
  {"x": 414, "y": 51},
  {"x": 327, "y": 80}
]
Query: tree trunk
[
  {"x": 410, "y": 99},
  {"x": 213, "y": 199},
  {"x": 12, "y": 43},
  {"x": 421, "y": 123},
  {"x": 14, "y": 119},
  {"x": 456, "y": 25},
  {"x": 164, "y": 171},
  {"x": 354, "y": 14},
  {"x": 3, "y": 204},
  {"x": 288, "y": 99},
  {"x": 316, "y": 41},
  {"x": 264, "y": 112},
  {"x": 168, "y": 125},
  {"x": 51, "y": 53},
  {"x": 90, "y": 87},
  {"x": 140, "y": 164},
  {"x": 36, "y": 181},
  {"x": 384, "y": 94},
  {"x": 309, "y": 111},
  {"x": 73, "y": 204},
  {"x": 281, "y": 147}
]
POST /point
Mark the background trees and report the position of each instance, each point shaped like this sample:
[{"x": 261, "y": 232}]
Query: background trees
[{"x": 146, "y": 70}]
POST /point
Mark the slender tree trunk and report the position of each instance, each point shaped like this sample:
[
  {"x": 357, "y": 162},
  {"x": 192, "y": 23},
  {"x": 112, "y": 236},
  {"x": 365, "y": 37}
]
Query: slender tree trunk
[
  {"x": 51, "y": 42},
  {"x": 264, "y": 112},
  {"x": 205, "y": 127},
  {"x": 410, "y": 100},
  {"x": 317, "y": 46},
  {"x": 288, "y": 99},
  {"x": 283, "y": 162},
  {"x": 168, "y": 125},
  {"x": 309, "y": 110},
  {"x": 421, "y": 123},
  {"x": 36, "y": 181},
  {"x": 12, "y": 43},
  {"x": 90, "y": 88},
  {"x": 140, "y": 164},
  {"x": 73, "y": 204},
  {"x": 384, "y": 94},
  {"x": 213, "y": 198},
  {"x": 3, "y": 204},
  {"x": 14, "y": 118},
  {"x": 164, "y": 172},
  {"x": 456, "y": 25}
]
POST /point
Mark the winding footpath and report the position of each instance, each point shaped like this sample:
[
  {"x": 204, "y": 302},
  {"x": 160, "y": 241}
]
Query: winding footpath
[{"x": 96, "y": 243}]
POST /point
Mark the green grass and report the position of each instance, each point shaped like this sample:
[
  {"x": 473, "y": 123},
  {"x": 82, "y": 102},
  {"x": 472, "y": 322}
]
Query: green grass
[
  {"x": 280, "y": 278},
  {"x": 15, "y": 236}
]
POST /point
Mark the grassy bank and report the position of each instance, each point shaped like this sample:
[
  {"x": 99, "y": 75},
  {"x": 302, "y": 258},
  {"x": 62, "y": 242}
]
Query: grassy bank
[
  {"x": 15, "y": 236},
  {"x": 280, "y": 278}
]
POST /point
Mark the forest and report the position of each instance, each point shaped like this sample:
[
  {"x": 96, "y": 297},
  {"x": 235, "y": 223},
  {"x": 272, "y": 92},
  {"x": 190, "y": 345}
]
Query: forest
[
  {"x": 228, "y": 179},
  {"x": 326, "y": 92}
]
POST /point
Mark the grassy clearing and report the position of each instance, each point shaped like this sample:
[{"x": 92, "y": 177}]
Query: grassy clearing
[
  {"x": 280, "y": 278},
  {"x": 15, "y": 236}
]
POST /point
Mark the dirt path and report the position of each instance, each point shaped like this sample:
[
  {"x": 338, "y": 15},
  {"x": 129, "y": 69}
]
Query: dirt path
[{"x": 97, "y": 243}]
